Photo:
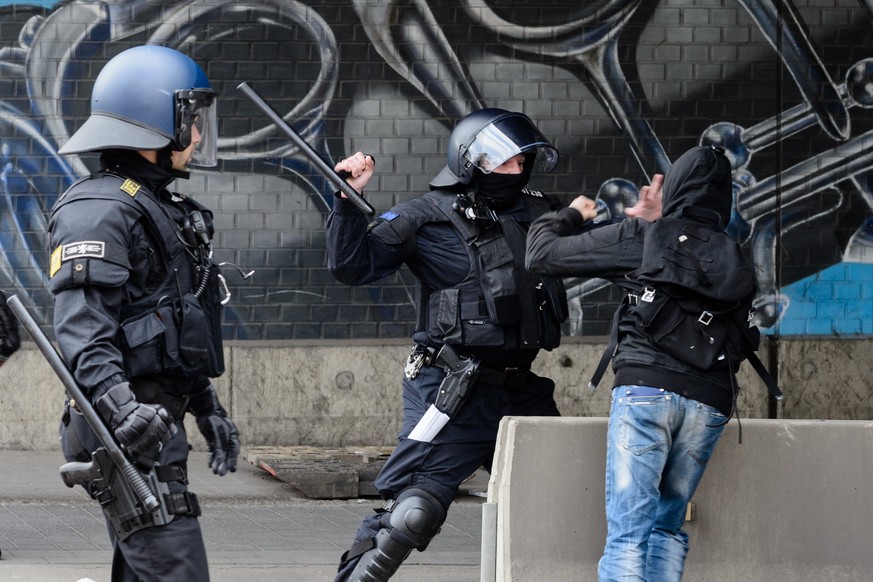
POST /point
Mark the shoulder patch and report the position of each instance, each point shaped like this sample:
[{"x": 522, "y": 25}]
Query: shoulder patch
[
  {"x": 388, "y": 216},
  {"x": 534, "y": 193},
  {"x": 88, "y": 248},
  {"x": 130, "y": 187}
]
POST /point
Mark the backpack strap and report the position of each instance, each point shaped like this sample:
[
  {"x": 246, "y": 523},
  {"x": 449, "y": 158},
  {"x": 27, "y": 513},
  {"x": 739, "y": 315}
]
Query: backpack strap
[
  {"x": 612, "y": 344},
  {"x": 772, "y": 386}
]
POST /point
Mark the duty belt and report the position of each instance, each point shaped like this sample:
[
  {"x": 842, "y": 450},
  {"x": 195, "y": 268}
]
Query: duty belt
[{"x": 507, "y": 378}]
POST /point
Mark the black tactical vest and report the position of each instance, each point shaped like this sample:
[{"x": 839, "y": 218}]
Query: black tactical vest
[
  {"x": 498, "y": 304},
  {"x": 175, "y": 326}
]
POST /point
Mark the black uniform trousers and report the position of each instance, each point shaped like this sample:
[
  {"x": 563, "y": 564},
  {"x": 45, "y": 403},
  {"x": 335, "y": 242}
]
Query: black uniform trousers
[
  {"x": 174, "y": 552},
  {"x": 464, "y": 445}
]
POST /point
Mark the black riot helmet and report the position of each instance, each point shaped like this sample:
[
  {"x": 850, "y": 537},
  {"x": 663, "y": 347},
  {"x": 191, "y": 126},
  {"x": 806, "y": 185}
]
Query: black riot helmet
[{"x": 485, "y": 139}]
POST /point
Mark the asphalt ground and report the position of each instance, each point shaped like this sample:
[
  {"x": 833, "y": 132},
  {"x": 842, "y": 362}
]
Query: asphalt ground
[{"x": 255, "y": 526}]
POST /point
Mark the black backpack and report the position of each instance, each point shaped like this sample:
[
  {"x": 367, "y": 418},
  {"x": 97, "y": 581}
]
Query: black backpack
[{"x": 696, "y": 299}]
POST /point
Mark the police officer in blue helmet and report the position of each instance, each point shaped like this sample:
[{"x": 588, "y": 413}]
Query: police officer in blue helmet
[
  {"x": 482, "y": 319},
  {"x": 138, "y": 302}
]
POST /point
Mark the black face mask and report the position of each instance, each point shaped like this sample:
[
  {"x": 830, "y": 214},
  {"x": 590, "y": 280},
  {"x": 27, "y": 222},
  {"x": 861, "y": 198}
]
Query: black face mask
[{"x": 500, "y": 191}]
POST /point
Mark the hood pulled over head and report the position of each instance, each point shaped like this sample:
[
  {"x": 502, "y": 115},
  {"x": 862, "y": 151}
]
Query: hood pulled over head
[{"x": 698, "y": 186}]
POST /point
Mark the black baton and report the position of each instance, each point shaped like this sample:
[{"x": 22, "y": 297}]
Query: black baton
[
  {"x": 307, "y": 150},
  {"x": 131, "y": 475}
]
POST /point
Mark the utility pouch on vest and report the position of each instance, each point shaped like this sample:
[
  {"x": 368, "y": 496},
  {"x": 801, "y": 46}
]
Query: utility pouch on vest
[
  {"x": 176, "y": 335},
  {"x": 445, "y": 317},
  {"x": 454, "y": 321},
  {"x": 498, "y": 282},
  {"x": 150, "y": 341},
  {"x": 553, "y": 310},
  {"x": 210, "y": 302},
  {"x": 193, "y": 342},
  {"x": 683, "y": 329}
]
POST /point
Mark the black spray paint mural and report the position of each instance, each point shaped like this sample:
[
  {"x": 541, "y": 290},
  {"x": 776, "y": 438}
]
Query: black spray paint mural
[{"x": 620, "y": 86}]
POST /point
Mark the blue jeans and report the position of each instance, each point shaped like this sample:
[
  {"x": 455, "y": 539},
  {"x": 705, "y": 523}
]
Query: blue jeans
[{"x": 658, "y": 444}]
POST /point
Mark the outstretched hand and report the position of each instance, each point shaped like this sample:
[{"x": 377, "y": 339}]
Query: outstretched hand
[
  {"x": 360, "y": 168},
  {"x": 648, "y": 206}
]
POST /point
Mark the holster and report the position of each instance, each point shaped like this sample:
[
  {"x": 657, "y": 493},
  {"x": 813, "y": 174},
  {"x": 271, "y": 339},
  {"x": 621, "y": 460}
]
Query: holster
[
  {"x": 460, "y": 377},
  {"x": 119, "y": 502}
]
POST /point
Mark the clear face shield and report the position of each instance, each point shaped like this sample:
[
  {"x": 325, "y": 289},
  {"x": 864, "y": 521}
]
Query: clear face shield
[
  {"x": 197, "y": 118},
  {"x": 506, "y": 138}
]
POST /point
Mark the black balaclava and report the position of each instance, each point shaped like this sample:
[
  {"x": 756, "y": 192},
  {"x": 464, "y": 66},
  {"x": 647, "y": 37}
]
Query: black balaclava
[{"x": 502, "y": 191}]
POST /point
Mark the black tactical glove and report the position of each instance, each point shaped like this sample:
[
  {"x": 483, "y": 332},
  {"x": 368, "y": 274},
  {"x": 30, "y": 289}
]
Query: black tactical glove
[
  {"x": 9, "y": 340},
  {"x": 142, "y": 429},
  {"x": 218, "y": 429}
]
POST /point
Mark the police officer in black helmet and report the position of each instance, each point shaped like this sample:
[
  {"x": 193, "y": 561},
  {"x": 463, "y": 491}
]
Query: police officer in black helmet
[
  {"x": 464, "y": 241},
  {"x": 137, "y": 299}
]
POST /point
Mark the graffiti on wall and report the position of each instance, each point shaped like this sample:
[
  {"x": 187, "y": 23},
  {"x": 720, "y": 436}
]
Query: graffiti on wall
[{"x": 621, "y": 86}]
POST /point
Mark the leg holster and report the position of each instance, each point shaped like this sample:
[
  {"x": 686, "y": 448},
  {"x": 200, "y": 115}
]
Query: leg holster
[{"x": 408, "y": 523}]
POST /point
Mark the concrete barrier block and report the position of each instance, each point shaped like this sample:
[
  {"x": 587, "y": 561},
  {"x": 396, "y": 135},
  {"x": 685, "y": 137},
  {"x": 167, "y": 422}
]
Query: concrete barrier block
[{"x": 792, "y": 502}]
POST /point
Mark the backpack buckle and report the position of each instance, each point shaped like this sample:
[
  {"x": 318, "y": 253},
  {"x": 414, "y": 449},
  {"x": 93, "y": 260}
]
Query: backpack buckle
[
  {"x": 705, "y": 318},
  {"x": 648, "y": 295}
]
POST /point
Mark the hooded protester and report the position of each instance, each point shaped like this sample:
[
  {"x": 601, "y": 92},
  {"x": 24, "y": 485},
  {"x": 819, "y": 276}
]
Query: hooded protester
[{"x": 666, "y": 415}]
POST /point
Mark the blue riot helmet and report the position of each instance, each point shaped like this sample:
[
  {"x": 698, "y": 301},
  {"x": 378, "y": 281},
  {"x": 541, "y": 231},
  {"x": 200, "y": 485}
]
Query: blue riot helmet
[
  {"x": 147, "y": 98},
  {"x": 485, "y": 139}
]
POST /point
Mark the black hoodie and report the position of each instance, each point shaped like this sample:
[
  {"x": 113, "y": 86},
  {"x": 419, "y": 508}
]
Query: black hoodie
[{"x": 697, "y": 187}]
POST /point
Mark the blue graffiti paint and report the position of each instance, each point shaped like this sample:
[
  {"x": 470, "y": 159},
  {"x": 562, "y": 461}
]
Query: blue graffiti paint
[
  {"x": 42, "y": 4},
  {"x": 835, "y": 301}
]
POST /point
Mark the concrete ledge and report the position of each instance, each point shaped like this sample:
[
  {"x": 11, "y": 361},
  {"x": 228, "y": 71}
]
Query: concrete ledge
[
  {"x": 791, "y": 503},
  {"x": 347, "y": 393}
]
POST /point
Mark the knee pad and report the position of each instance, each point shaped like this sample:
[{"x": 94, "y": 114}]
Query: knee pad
[
  {"x": 418, "y": 515},
  {"x": 409, "y": 522}
]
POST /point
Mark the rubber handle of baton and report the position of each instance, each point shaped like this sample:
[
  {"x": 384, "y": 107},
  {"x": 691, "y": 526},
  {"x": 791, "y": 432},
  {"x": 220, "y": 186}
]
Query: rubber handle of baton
[{"x": 140, "y": 487}]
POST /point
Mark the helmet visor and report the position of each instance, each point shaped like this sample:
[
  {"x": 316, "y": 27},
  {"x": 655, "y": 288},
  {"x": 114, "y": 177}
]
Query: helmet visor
[
  {"x": 197, "y": 117},
  {"x": 506, "y": 138}
]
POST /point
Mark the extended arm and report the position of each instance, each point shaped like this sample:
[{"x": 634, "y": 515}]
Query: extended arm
[
  {"x": 555, "y": 246},
  {"x": 357, "y": 253}
]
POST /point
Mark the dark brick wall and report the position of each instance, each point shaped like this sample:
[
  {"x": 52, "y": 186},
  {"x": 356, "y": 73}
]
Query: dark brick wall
[{"x": 390, "y": 78}]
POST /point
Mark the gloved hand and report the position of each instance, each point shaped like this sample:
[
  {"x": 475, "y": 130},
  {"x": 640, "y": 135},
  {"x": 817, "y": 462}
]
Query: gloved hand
[
  {"x": 221, "y": 434},
  {"x": 142, "y": 429}
]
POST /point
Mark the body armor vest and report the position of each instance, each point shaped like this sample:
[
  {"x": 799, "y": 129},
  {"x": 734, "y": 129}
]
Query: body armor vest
[
  {"x": 175, "y": 326},
  {"x": 498, "y": 304}
]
